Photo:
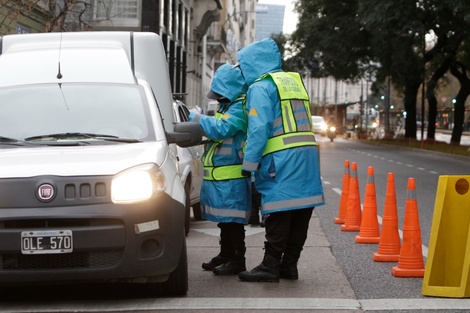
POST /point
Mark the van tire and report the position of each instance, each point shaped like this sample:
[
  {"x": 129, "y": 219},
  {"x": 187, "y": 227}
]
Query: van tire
[
  {"x": 187, "y": 213},
  {"x": 177, "y": 283}
]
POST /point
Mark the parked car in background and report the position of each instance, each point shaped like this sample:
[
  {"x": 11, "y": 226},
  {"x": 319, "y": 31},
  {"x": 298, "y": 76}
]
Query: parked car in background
[
  {"x": 191, "y": 169},
  {"x": 319, "y": 125}
]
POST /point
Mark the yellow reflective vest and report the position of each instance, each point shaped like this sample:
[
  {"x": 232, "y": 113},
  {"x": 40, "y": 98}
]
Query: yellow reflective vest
[
  {"x": 294, "y": 106},
  {"x": 224, "y": 172}
]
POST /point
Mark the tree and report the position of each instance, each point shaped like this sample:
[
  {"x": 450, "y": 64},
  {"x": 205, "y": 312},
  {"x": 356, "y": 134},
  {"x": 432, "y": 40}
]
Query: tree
[
  {"x": 69, "y": 15},
  {"x": 330, "y": 39},
  {"x": 449, "y": 21},
  {"x": 342, "y": 38},
  {"x": 56, "y": 15},
  {"x": 459, "y": 70},
  {"x": 345, "y": 37},
  {"x": 12, "y": 11}
]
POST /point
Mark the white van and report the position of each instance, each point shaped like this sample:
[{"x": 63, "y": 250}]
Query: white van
[
  {"x": 89, "y": 184},
  {"x": 191, "y": 169}
]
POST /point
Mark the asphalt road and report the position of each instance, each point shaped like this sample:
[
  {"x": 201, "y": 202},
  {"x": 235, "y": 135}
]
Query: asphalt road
[{"x": 336, "y": 274}]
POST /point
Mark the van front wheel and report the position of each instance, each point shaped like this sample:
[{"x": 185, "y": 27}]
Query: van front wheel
[
  {"x": 177, "y": 283},
  {"x": 187, "y": 209}
]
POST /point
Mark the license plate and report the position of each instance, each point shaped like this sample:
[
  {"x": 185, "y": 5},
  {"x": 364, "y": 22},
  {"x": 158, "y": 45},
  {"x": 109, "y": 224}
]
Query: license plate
[{"x": 46, "y": 241}]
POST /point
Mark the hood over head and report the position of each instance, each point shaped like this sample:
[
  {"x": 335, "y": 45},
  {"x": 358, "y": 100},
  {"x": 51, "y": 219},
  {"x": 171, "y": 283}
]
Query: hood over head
[
  {"x": 259, "y": 58},
  {"x": 227, "y": 83}
]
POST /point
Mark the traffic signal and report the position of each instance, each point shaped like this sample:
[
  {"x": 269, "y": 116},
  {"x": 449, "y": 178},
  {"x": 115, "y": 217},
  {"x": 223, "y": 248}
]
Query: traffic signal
[
  {"x": 454, "y": 101},
  {"x": 346, "y": 102}
]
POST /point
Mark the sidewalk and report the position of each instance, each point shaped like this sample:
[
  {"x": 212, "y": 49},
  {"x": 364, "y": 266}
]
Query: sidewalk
[{"x": 317, "y": 266}]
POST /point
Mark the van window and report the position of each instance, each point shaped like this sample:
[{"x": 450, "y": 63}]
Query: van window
[{"x": 107, "y": 109}]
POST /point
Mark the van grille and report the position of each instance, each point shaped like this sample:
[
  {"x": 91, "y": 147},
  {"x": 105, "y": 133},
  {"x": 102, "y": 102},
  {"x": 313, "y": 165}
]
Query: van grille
[
  {"x": 69, "y": 191},
  {"x": 99, "y": 259}
]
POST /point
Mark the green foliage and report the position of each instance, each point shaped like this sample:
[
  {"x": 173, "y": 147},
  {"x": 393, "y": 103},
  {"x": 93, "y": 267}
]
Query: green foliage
[
  {"x": 330, "y": 39},
  {"x": 341, "y": 38},
  {"x": 347, "y": 38}
]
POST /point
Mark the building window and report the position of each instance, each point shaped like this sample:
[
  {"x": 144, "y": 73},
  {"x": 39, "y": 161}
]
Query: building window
[{"x": 114, "y": 9}]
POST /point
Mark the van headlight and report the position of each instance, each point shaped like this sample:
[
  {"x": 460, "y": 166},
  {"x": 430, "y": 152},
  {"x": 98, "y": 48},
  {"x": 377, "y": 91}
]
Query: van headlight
[{"x": 137, "y": 184}]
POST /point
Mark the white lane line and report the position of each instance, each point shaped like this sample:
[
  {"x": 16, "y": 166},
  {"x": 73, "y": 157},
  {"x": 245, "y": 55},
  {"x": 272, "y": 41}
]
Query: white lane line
[
  {"x": 421, "y": 168},
  {"x": 249, "y": 304},
  {"x": 422, "y": 305},
  {"x": 400, "y": 232}
]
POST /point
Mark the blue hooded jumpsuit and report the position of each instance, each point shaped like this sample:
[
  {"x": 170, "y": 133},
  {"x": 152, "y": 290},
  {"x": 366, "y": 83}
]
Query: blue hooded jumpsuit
[
  {"x": 288, "y": 178},
  {"x": 225, "y": 193}
]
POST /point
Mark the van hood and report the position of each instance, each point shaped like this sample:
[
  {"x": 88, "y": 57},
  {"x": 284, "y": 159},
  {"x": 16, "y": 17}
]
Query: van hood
[{"x": 78, "y": 161}]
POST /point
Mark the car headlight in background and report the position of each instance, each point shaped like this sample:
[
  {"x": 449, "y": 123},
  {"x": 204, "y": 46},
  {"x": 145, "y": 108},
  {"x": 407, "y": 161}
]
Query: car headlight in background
[{"x": 137, "y": 184}]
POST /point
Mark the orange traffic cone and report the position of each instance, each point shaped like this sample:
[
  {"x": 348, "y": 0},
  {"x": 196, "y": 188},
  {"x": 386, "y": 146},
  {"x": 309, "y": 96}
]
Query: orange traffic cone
[
  {"x": 352, "y": 222},
  {"x": 343, "y": 202},
  {"x": 369, "y": 232},
  {"x": 410, "y": 262},
  {"x": 389, "y": 243}
]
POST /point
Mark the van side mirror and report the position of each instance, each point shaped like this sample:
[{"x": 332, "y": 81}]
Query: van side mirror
[{"x": 186, "y": 134}]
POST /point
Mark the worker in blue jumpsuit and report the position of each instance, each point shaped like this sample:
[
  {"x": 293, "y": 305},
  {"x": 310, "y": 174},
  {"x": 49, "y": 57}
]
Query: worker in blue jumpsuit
[
  {"x": 225, "y": 192},
  {"x": 282, "y": 154}
]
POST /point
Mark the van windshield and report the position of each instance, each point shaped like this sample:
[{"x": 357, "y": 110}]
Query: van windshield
[{"x": 113, "y": 110}]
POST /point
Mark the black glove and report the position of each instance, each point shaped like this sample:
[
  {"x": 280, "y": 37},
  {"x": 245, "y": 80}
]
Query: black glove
[{"x": 246, "y": 173}]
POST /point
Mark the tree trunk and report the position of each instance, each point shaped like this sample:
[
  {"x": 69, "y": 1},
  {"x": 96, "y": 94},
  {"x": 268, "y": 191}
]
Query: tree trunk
[
  {"x": 411, "y": 90},
  {"x": 459, "y": 114},
  {"x": 460, "y": 72},
  {"x": 432, "y": 101}
]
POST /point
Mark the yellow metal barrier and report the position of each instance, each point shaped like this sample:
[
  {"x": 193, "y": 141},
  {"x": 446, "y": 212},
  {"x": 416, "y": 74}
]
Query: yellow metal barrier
[{"x": 448, "y": 263}]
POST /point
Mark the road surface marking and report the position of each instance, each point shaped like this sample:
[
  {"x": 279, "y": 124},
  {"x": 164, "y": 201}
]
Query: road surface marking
[{"x": 248, "y": 304}]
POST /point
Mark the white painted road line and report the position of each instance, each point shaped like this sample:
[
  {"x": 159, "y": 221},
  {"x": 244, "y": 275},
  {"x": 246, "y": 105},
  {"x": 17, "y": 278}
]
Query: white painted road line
[{"x": 251, "y": 304}]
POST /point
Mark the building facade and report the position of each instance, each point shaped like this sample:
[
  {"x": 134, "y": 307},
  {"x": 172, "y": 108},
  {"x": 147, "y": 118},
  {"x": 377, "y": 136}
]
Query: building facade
[{"x": 269, "y": 20}]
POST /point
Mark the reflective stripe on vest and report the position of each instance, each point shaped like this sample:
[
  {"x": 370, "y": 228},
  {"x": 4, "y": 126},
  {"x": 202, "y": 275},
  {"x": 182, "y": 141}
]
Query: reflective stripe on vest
[
  {"x": 291, "y": 140},
  {"x": 293, "y": 97},
  {"x": 223, "y": 172}
]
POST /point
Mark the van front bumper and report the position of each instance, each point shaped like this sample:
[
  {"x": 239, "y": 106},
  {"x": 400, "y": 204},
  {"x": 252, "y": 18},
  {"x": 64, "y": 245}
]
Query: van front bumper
[{"x": 111, "y": 242}]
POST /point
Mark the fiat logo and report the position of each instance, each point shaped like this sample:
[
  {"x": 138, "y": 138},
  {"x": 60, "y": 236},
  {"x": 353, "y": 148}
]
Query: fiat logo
[{"x": 46, "y": 192}]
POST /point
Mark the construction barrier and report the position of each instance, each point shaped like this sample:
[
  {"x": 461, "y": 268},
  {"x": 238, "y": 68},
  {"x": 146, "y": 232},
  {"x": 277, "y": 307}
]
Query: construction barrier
[{"x": 448, "y": 263}]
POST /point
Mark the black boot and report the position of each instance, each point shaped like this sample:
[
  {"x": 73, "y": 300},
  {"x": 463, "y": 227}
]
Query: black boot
[
  {"x": 216, "y": 261},
  {"x": 267, "y": 271},
  {"x": 226, "y": 250},
  {"x": 288, "y": 270},
  {"x": 233, "y": 265},
  {"x": 288, "y": 267}
]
